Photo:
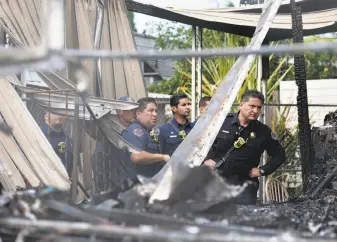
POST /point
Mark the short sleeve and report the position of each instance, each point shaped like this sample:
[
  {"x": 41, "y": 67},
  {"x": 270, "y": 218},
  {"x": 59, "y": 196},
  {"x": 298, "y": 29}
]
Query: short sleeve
[{"x": 136, "y": 137}]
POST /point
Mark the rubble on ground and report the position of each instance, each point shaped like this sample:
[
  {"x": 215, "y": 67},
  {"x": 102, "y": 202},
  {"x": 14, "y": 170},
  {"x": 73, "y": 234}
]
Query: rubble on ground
[
  {"x": 48, "y": 214},
  {"x": 193, "y": 215}
]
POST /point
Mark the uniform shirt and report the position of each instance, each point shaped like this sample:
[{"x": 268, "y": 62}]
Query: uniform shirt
[
  {"x": 194, "y": 122},
  {"x": 258, "y": 137},
  {"x": 62, "y": 145},
  {"x": 139, "y": 136},
  {"x": 169, "y": 139}
]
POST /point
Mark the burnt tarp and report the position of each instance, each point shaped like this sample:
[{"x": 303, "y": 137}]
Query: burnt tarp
[{"x": 317, "y": 18}]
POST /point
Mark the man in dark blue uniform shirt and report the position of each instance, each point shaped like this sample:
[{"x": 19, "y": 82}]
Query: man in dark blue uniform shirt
[
  {"x": 149, "y": 161},
  {"x": 108, "y": 162},
  {"x": 239, "y": 145},
  {"x": 172, "y": 133},
  {"x": 203, "y": 104},
  {"x": 125, "y": 116},
  {"x": 61, "y": 143}
]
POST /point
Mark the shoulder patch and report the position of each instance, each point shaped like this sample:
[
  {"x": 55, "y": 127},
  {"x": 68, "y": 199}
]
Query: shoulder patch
[
  {"x": 230, "y": 114},
  {"x": 273, "y": 136},
  {"x": 138, "y": 132}
]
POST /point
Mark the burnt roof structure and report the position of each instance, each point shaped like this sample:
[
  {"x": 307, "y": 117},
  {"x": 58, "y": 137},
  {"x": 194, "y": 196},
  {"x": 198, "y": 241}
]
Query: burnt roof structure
[{"x": 317, "y": 18}]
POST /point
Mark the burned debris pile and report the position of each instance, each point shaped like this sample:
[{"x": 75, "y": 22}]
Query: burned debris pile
[
  {"x": 203, "y": 210},
  {"x": 316, "y": 210},
  {"x": 45, "y": 215}
]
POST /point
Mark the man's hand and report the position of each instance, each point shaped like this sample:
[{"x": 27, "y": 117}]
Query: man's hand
[
  {"x": 166, "y": 158},
  {"x": 254, "y": 172},
  {"x": 210, "y": 163}
]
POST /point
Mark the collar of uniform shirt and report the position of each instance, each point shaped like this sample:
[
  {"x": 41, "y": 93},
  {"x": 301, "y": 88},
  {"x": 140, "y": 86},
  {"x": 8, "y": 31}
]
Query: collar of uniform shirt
[
  {"x": 137, "y": 122},
  {"x": 46, "y": 128},
  {"x": 174, "y": 122},
  {"x": 237, "y": 121}
]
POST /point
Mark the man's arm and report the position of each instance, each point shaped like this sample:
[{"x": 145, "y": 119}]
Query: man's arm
[
  {"x": 276, "y": 152},
  {"x": 145, "y": 158},
  {"x": 138, "y": 139}
]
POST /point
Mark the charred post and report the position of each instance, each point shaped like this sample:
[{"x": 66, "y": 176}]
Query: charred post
[{"x": 302, "y": 98}]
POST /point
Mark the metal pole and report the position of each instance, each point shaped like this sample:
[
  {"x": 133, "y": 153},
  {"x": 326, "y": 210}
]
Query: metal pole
[
  {"x": 264, "y": 90},
  {"x": 280, "y": 50},
  {"x": 263, "y": 69},
  {"x": 259, "y": 75},
  {"x": 97, "y": 42},
  {"x": 261, "y": 118},
  {"x": 199, "y": 68},
  {"x": 199, "y": 86},
  {"x": 193, "y": 93},
  {"x": 74, "y": 175}
]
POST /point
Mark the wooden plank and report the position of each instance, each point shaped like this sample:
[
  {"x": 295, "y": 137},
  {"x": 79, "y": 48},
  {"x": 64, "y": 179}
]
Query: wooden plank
[
  {"x": 85, "y": 40},
  {"x": 132, "y": 92},
  {"x": 34, "y": 144},
  {"x": 10, "y": 176},
  {"x": 71, "y": 37},
  {"x": 8, "y": 22},
  {"x": 6, "y": 182},
  {"x": 35, "y": 15},
  {"x": 120, "y": 85},
  {"x": 108, "y": 75},
  {"x": 19, "y": 159},
  {"x": 137, "y": 75},
  {"x": 19, "y": 18},
  {"x": 27, "y": 20}
]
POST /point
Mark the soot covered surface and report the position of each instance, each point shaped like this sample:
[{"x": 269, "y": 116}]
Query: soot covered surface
[{"x": 305, "y": 214}]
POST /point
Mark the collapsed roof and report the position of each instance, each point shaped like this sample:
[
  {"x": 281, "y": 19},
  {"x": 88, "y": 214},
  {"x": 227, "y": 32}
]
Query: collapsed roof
[{"x": 28, "y": 158}]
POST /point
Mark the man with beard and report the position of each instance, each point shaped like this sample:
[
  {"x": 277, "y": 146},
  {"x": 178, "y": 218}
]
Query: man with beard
[
  {"x": 239, "y": 145},
  {"x": 149, "y": 161},
  {"x": 61, "y": 143},
  {"x": 172, "y": 133}
]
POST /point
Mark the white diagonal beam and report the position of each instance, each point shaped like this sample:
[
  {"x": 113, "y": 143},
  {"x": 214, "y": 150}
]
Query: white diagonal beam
[{"x": 195, "y": 147}]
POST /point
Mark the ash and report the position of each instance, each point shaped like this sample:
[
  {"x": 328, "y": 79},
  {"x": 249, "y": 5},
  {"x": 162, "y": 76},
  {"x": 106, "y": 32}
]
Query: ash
[
  {"x": 315, "y": 211},
  {"x": 204, "y": 209}
]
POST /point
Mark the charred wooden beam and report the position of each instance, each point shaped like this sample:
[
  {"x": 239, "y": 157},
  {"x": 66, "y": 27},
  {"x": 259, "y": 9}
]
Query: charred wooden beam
[{"x": 302, "y": 97}]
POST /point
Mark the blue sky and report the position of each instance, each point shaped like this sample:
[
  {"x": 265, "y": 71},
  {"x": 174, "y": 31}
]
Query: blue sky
[{"x": 141, "y": 19}]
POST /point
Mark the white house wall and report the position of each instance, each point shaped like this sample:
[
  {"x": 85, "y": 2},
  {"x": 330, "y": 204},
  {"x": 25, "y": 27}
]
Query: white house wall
[{"x": 319, "y": 92}]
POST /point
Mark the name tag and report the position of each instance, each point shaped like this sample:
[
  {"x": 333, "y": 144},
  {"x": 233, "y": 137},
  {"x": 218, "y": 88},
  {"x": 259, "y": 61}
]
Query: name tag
[
  {"x": 173, "y": 136},
  {"x": 225, "y": 131}
]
